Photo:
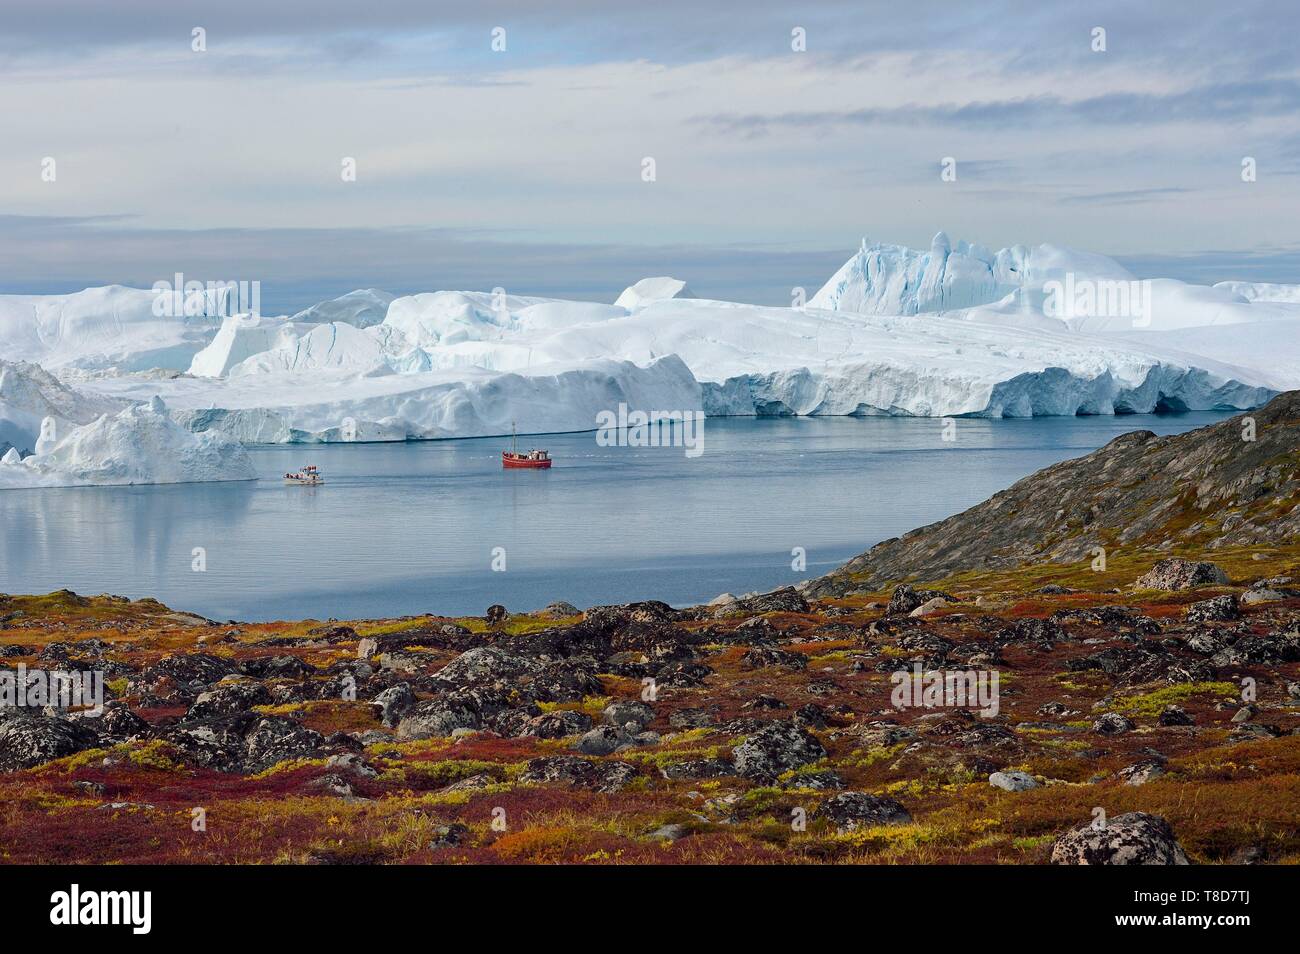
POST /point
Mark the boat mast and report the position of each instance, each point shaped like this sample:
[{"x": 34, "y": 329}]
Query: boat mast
[{"x": 514, "y": 439}]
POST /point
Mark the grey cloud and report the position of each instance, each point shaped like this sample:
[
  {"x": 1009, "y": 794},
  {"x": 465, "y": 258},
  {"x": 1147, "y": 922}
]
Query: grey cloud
[
  {"x": 1122, "y": 197},
  {"x": 300, "y": 266},
  {"x": 1220, "y": 102}
]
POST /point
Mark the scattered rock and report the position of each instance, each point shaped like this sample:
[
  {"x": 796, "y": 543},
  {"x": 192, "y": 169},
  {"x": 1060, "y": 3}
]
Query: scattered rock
[
  {"x": 904, "y": 599},
  {"x": 1112, "y": 723},
  {"x": 776, "y": 748},
  {"x": 26, "y": 741},
  {"x": 1134, "y": 838},
  {"x": 931, "y": 606},
  {"x": 1217, "y": 609},
  {"x": 634, "y": 716},
  {"x": 578, "y": 772},
  {"x": 1175, "y": 574},
  {"x": 559, "y": 610},
  {"x": 449, "y": 836},
  {"x": 393, "y": 703},
  {"x": 698, "y": 768},
  {"x": 275, "y": 739},
  {"x": 603, "y": 740},
  {"x": 849, "y": 811},
  {"x": 670, "y": 832},
  {"x": 1142, "y": 772},
  {"x": 1013, "y": 781},
  {"x": 1256, "y": 597},
  {"x": 558, "y": 724},
  {"x": 1175, "y": 715},
  {"x": 761, "y": 657}
]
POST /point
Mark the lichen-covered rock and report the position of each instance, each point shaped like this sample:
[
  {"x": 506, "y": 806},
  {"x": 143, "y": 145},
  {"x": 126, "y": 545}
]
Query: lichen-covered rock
[
  {"x": 1135, "y": 838},
  {"x": 442, "y": 716},
  {"x": 784, "y": 600},
  {"x": 228, "y": 699},
  {"x": 393, "y": 703},
  {"x": 1175, "y": 715},
  {"x": 26, "y": 740},
  {"x": 485, "y": 665},
  {"x": 777, "y": 747},
  {"x": 698, "y": 768},
  {"x": 1220, "y": 608},
  {"x": 602, "y": 740},
  {"x": 275, "y": 739},
  {"x": 448, "y": 836},
  {"x": 1013, "y": 781},
  {"x": 556, "y": 725},
  {"x": 119, "y": 723},
  {"x": 905, "y": 599},
  {"x": 624, "y": 713},
  {"x": 849, "y": 811},
  {"x": 192, "y": 672},
  {"x": 578, "y": 772},
  {"x": 760, "y": 657},
  {"x": 1175, "y": 574},
  {"x": 1142, "y": 772},
  {"x": 1112, "y": 723},
  {"x": 559, "y": 610}
]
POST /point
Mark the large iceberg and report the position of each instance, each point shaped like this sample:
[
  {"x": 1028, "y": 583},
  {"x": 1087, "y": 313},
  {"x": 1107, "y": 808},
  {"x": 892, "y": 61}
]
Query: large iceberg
[
  {"x": 896, "y": 280},
  {"x": 140, "y": 445},
  {"x": 1046, "y": 286},
  {"x": 32, "y": 400},
  {"x": 335, "y": 405},
  {"x": 361, "y": 308},
  {"x": 951, "y": 330},
  {"x": 109, "y": 327}
]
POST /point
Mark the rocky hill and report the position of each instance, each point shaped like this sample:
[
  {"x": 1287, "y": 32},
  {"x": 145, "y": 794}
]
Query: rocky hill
[{"x": 1235, "y": 483}]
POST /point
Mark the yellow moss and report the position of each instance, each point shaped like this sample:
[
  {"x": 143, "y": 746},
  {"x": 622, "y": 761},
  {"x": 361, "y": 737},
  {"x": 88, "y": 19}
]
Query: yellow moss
[{"x": 1154, "y": 702}]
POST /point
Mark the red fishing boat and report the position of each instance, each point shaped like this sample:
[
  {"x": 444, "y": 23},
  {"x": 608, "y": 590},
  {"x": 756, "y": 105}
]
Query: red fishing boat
[{"x": 534, "y": 459}]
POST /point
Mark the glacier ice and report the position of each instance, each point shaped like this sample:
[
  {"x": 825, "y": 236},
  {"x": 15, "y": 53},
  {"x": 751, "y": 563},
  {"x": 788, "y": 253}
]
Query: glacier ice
[
  {"x": 951, "y": 330},
  {"x": 361, "y": 308},
  {"x": 649, "y": 290},
  {"x": 138, "y": 445},
  {"x": 31, "y": 396},
  {"x": 108, "y": 327}
]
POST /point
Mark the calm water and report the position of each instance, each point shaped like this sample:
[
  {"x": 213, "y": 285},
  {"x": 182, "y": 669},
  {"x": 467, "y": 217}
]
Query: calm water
[{"x": 411, "y": 528}]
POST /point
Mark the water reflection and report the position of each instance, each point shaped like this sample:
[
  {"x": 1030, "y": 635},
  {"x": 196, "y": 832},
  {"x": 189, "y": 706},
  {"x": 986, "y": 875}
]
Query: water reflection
[{"x": 409, "y": 528}]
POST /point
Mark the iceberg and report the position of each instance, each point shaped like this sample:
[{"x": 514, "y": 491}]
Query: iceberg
[
  {"x": 896, "y": 280},
  {"x": 109, "y": 327},
  {"x": 951, "y": 330},
  {"x": 1035, "y": 287},
  {"x": 30, "y": 396},
  {"x": 649, "y": 290},
  {"x": 139, "y": 445},
  {"x": 361, "y": 309}
]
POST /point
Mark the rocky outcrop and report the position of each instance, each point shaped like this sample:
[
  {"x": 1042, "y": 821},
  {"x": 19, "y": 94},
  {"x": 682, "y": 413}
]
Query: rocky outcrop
[{"x": 1204, "y": 489}]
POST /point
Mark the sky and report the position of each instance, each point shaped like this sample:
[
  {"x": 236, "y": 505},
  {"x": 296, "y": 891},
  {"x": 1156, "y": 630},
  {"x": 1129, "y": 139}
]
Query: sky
[{"x": 505, "y": 144}]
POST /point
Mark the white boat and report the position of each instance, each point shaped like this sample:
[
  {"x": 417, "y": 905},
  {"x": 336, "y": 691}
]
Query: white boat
[{"x": 309, "y": 475}]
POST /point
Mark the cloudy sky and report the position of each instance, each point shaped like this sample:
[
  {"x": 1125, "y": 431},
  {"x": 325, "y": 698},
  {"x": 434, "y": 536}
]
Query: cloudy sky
[{"x": 523, "y": 167}]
